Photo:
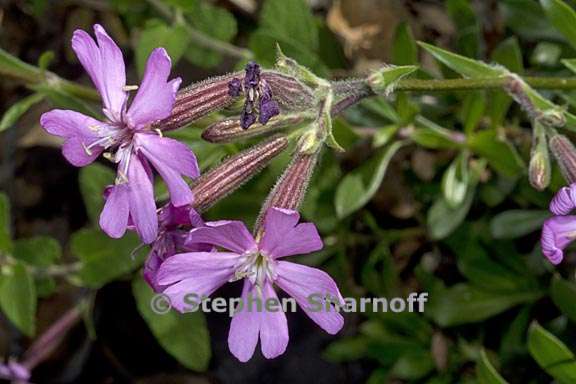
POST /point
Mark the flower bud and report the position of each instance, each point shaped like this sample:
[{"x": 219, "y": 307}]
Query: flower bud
[
  {"x": 235, "y": 171},
  {"x": 290, "y": 93},
  {"x": 198, "y": 100},
  {"x": 227, "y": 131},
  {"x": 565, "y": 154},
  {"x": 539, "y": 170},
  {"x": 291, "y": 187}
]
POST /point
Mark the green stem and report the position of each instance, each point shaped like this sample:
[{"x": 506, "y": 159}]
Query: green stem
[{"x": 489, "y": 83}]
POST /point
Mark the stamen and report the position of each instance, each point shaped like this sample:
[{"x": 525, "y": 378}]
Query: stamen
[
  {"x": 87, "y": 149},
  {"x": 128, "y": 88},
  {"x": 159, "y": 132}
]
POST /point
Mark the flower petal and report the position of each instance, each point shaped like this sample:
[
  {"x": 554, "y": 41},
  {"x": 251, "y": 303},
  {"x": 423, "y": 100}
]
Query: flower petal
[
  {"x": 273, "y": 326},
  {"x": 74, "y": 151},
  {"x": 142, "y": 203},
  {"x": 231, "y": 235},
  {"x": 80, "y": 131},
  {"x": 196, "y": 273},
  {"x": 114, "y": 216},
  {"x": 171, "y": 159},
  {"x": 564, "y": 201},
  {"x": 244, "y": 328},
  {"x": 192, "y": 265},
  {"x": 283, "y": 236},
  {"x": 105, "y": 65},
  {"x": 156, "y": 95},
  {"x": 557, "y": 233},
  {"x": 301, "y": 282}
]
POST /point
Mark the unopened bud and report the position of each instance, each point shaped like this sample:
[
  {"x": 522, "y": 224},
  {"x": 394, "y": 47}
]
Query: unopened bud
[
  {"x": 290, "y": 93},
  {"x": 539, "y": 170},
  {"x": 290, "y": 189},
  {"x": 235, "y": 171},
  {"x": 227, "y": 131},
  {"x": 565, "y": 154},
  {"x": 198, "y": 100}
]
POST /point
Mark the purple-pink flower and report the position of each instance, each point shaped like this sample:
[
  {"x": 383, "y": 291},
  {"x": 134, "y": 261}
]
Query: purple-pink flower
[
  {"x": 560, "y": 230},
  {"x": 14, "y": 372},
  {"x": 258, "y": 262},
  {"x": 174, "y": 226},
  {"x": 126, "y": 134}
]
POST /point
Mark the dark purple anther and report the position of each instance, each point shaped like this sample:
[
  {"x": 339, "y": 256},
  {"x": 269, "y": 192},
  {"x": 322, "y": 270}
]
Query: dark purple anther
[
  {"x": 268, "y": 109},
  {"x": 235, "y": 87},
  {"x": 247, "y": 119},
  {"x": 252, "y": 77}
]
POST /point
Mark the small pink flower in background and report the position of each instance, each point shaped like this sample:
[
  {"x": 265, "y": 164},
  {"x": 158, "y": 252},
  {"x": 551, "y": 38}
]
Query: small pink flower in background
[
  {"x": 172, "y": 235},
  {"x": 126, "y": 134},
  {"x": 257, "y": 262},
  {"x": 560, "y": 230}
]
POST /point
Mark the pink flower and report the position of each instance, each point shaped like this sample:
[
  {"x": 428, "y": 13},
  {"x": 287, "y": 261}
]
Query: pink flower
[
  {"x": 173, "y": 232},
  {"x": 258, "y": 262},
  {"x": 126, "y": 134}
]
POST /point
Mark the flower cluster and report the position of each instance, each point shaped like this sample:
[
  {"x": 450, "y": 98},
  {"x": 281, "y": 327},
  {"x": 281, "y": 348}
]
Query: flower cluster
[{"x": 188, "y": 255}]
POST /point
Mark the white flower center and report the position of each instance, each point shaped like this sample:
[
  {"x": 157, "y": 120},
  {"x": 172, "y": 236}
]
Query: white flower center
[{"x": 257, "y": 267}]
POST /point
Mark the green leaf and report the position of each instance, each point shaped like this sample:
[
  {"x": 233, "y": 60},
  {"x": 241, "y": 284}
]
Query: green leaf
[
  {"x": 463, "y": 304},
  {"x": 404, "y": 48},
  {"x": 443, "y": 219},
  {"x": 468, "y": 37},
  {"x": 509, "y": 54},
  {"x": 93, "y": 180},
  {"x": 213, "y": 21},
  {"x": 413, "y": 366},
  {"x": 473, "y": 110},
  {"x": 463, "y": 65},
  {"x": 346, "y": 349},
  {"x": 517, "y": 223},
  {"x": 563, "y": 17},
  {"x": 39, "y": 251},
  {"x": 501, "y": 155},
  {"x": 5, "y": 231},
  {"x": 563, "y": 293},
  {"x": 184, "y": 336},
  {"x": 14, "y": 67},
  {"x": 570, "y": 64},
  {"x": 486, "y": 372},
  {"x": 383, "y": 80},
  {"x": 103, "y": 258},
  {"x": 18, "y": 109},
  {"x": 157, "y": 34},
  {"x": 359, "y": 186},
  {"x": 482, "y": 270},
  {"x": 18, "y": 297},
  {"x": 299, "y": 40},
  {"x": 279, "y": 16},
  {"x": 45, "y": 60},
  {"x": 551, "y": 354}
]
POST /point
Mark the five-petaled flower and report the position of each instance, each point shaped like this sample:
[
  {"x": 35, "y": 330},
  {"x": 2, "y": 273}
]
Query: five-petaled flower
[
  {"x": 257, "y": 262},
  {"x": 127, "y": 135}
]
